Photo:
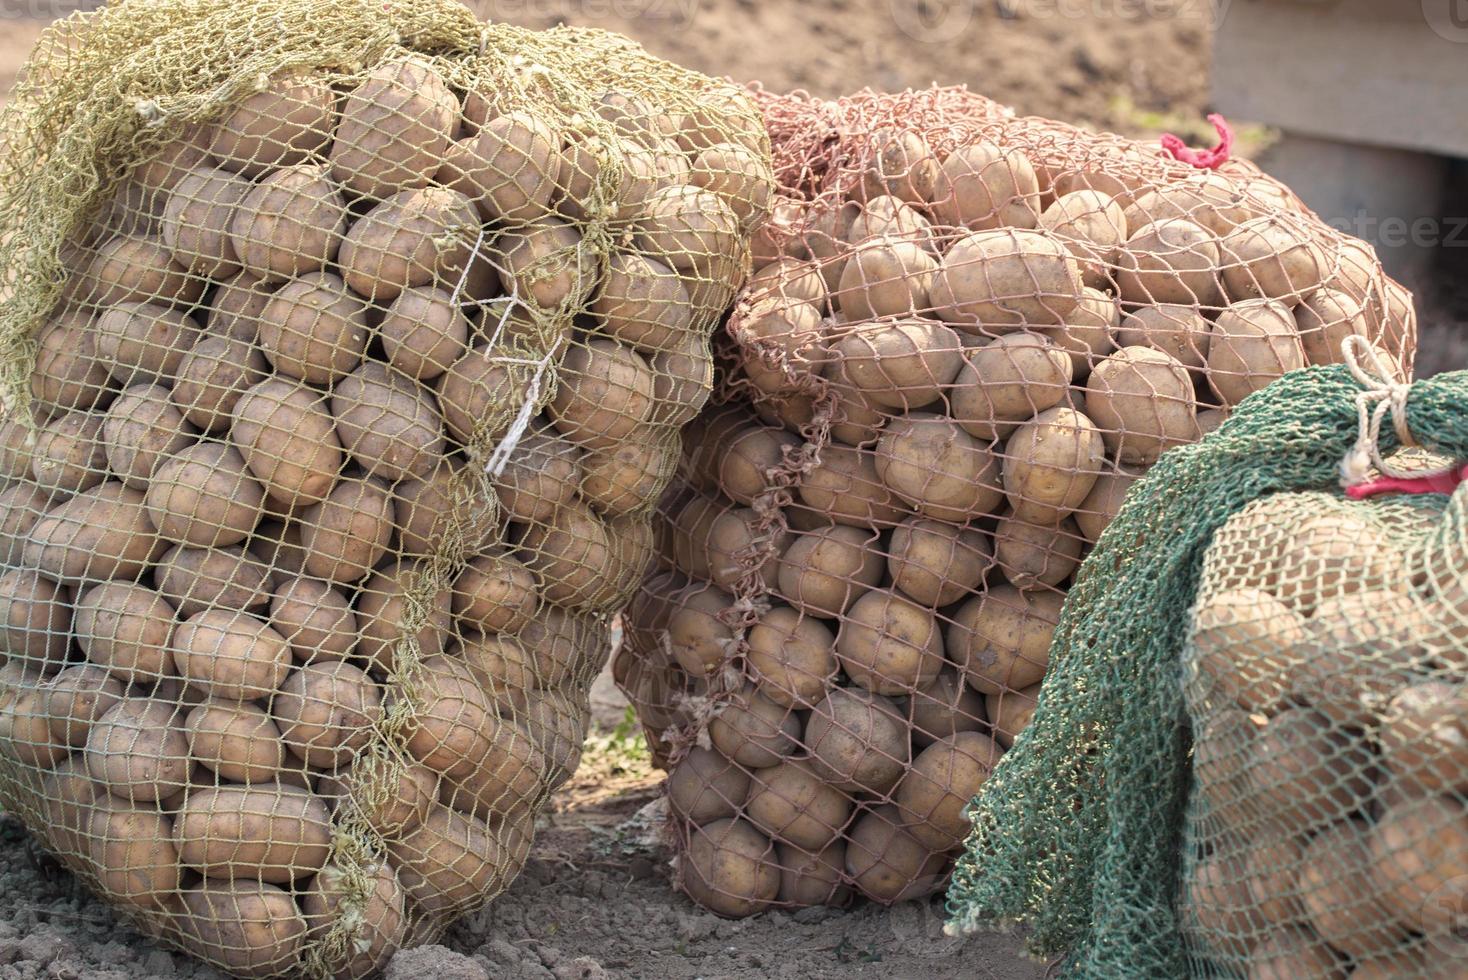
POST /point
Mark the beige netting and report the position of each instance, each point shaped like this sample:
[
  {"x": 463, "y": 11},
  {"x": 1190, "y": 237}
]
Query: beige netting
[
  {"x": 966, "y": 335},
  {"x": 1327, "y": 831},
  {"x": 345, "y": 351}
]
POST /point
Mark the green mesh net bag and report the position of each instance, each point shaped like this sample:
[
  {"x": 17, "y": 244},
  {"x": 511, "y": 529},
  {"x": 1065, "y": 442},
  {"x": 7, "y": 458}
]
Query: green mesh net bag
[
  {"x": 1246, "y": 760},
  {"x": 344, "y": 352}
]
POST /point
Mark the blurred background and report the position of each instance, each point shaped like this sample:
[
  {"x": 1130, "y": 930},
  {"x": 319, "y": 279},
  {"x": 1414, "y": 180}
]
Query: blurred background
[{"x": 1354, "y": 103}]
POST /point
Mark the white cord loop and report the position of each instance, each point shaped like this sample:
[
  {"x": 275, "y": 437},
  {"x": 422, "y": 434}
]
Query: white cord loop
[{"x": 1379, "y": 395}]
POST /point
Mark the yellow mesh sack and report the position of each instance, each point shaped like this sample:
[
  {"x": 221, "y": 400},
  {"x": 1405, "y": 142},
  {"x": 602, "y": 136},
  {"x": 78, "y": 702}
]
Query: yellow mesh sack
[{"x": 344, "y": 350}]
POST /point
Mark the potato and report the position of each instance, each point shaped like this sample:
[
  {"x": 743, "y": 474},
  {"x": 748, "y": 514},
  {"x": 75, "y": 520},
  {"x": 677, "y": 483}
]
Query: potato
[
  {"x": 204, "y": 495},
  {"x": 824, "y": 571},
  {"x": 135, "y": 268},
  {"x": 705, "y": 786},
  {"x": 1422, "y": 736},
  {"x": 845, "y": 486},
  {"x": 231, "y": 655},
  {"x": 790, "y": 657},
  {"x": 1093, "y": 226},
  {"x": 387, "y": 422},
  {"x": 789, "y": 279},
  {"x": 68, "y": 373},
  {"x": 412, "y": 791},
  {"x": 508, "y": 780},
  {"x": 1274, "y": 256},
  {"x": 1006, "y": 381},
  {"x": 1307, "y": 772},
  {"x": 744, "y": 462},
  {"x": 423, "y": 331},
  {"x": 482, "y": 389},
  {"x": 425, "y": 508},
  {"x": 1087, "y": 332},
  {"x": 901, "y": 165},
  {"x": 187, "y": 149},
  {"x": 140, "y": 430},
  {"x": 857, "y": 741},
  {"x": 1051, "y": 464},
  {"x": 16, "y": 443},
  {"x": 1244, "y": 644},
  {"x": 382, "y": 607},
  {"x": 495, "y": 594},
  {"x": 696, "y": 638},
  {"x": 1331, "y": 555},
  {"x": 315, "y": 618},
  {"x": 272, "y": 833},
  {"x": 1173, "y": 261},
  {"x": 193, "y": 579},
  {"x": 126, "y": 629},
  {"x": 620, "y": 481},
  {"x": 1143, "y": 402},
  {"x": 196, "y": 220},
  {"x": 788, "y": 336},
  {"x": 313, "y": 330},
  {"x": 327, "y": 712},
  {"x": 739, "y": 176},
  {"x": 144, "y": 343},
  {"x": 1208, "y": 198},
  {"x": 501, "y": 666},
  {"x": 1359, "y": 650},
  {"x": 448, "y": 862},
  {"x": 885, "y": 217},
  {"x": 888, "y": 644},
  {"x": 937, "y": 468},
  {"x": 1408, "y": 961},
  {"x": 790, "y": 803},
  {"x": 280, "y": 124},
  {"x": 509, "y": 169},
  {"x": 26, "y": 737},
  {"x": 239, "y": 742},
  {"x": 812, "y": 879},
  {"x": 1033, "y": 555},
  {"x": 1252, "y": 344},
  {"x": 288, "y": 441},
  {"x": 1325, "y": 319},
  {"x": 642, "y": 302},
  {"x": 21, "y": 506},
  {"x": 35, "y": 619},
  {"x": 76, "y": 697},
  {"x": 885, "y": 277},
  {"x": 1001, "y": 639},
  {"x": 1270, "y": 869},
  {"x": 1417, "y": 850},
  {"x": 754, "y": 730},
  {"x": 99, "y": 534},
  {"x": 729, "y": 868},
  {"x": 572, "y": 557},
  {"x": 132, "y": 852},
  {"x": 900, "y": 364},
  {"x": 1010, "y": 712},
  {"x": 943, "y": 707},
  {"x": 943, "y": 778},
  {"x": 541, "y": 477},
  {"x": 411, "y": 239},
  {"x": 348, "y": 533},
  {"x": 255, "y": 929},
  {"x": 290, "y": 224},
  {"x": 1006, "y": 278},
  {"x": 453, "y": 731},
  {"x": 70, "y": 453},
  {"x": 139, "y": 752},
  {"x": 604, "y": 394},
  {"x": 825, "y": 232},
  {"x": 688, "y": 229},
  {"x": 546, "y": 265},
  {"x": 735, "y": 540},
  {"x": 1338, "y": 862},
  {"x": 1103, "y": 503},
  {"x": 1218, "y": 898},
  {"x": 381, "y": 929},
  {"x": 981, "y": 185},
  {"x": 395, "y": 127},
  {"x": 563, "y": 644},
  {"x": 1178, "y": 331},
  {"x": 886, "y": 862}
]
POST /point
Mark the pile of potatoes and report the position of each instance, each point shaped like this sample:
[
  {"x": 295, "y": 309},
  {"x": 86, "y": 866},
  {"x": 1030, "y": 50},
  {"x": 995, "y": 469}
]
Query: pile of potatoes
[
  {"x": 1325, "y": 678},
  {"x": 954, "y": 358},
  {"x": 344, "y": 453}
]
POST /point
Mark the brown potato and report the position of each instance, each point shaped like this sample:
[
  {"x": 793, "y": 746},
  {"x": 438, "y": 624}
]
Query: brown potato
[
  {"x": 1033, "y": 555},
  {"x": 1178, "y": 331},
  {"x": 604, "y": 394},
  {"x": 1307, "y": 772},
  {"x": 288, "y": 441},
  {"x": 68, "y": 373},
  {"x": 1418, "y": 852},
  {"x": 937, "y": 468},
  {"x": 138, "y": 751},
  {"x": 1087, "y": 333},
  {"x": 695, "y": 636},
  {"x": 1218, "y": 899},
  {"x": 176, "y": 157},
  {"x": 383, "y": 917},
  {"x": 1208, "y": 198},
  {"x": 21, "y": 506},
  {"x": 982, "y": 185},
  {"x": 886, "y": 862},
  {"x": 327, "y": 712},
  {"x": 413, "y": 790},
  {"x": 705, "y": 786},
  {"x": 1253, "y": 344},
  {"x": 1359, "y": 650},
  {"x": 424, "y": 510},
  {"x": 395, "y": 127},
  {"x": 279, "y": 124},
  {"x": 888, "y": 644},
  {"x": 1010, "y": 712},
  {"x": 846, "y": 487},
  {"x": 745, "y": 459},
  {"x": 812, "y": 879},
  {"x": 886, "y": 277},
  {"x": 688, "y": 229},
  {"x": 26, "y": 737},
  {"x": 144, "y": 343},
  {"x": 510, "y": 167},
  {"x": 1001, "y": 639},
  {"x": 196, "y": 219},
  {"x": 16, "y": 441},
  {"x": 142, "y": 429},
  {"x": 382, "y": 608},
  {"x": 315, "y": 618},
  {"x": 387, "y": 422},
  {"x": 885, "y": 217},
  {"x": 453, "y": 730},
  {"x": 789, "y": 802},
  {"x": 1006, "y": 381},
  {"x": 131, "y": 849},
  {"x": 573, "y": 558},
  {"x": 1274, "y": 256},
  {"x": 1104, "y": 501},
  {"x": 642, "y": 302},
  {"x": 936, "y": 563},
  {"x": 482, "y": 390},
  {"x": 313, "y": 330},
  {"x": 1005, "y": 279},
  {"x": 792, "y": 333},
  {"x": 942, "y": 708},
  {"x": 562, "y": 644},
  {"x": 76, "y": 697},
  {"x": 791, "y": 657},
  {"x": 622, "y": 480},
  {"x": 739, "y": 176},
  {"x": 1338, "y": 862},
  {"x": 204, "y": 495},
  {"x": 135, "y": 268},
  {"x": 1170, "y": 261},
  {"x": 70, "y": 453},
  {"x": 194, "y": 579},
  {"x": 1051, "y": 464},
  {"x": 495, "y": 594},
  {"x": 547, "y": 265},
  {"x": 501, "y": 666},
  {"x": 540, "y": 478},
  {"x": 1144, "y": 404},
  {"x": 239, "y": 741},
  {"x": 788, "y": 279},
  {"x": 1423, "y": 736},
  {"x": 413, "y": 238},
  {"x": 231, "y": 655},
  {"x": 942, "y": 780},
  {"x": 423, "y": 331},
  {"x": 734, "y": 545},
  {"x": 254, "y": 929},
  {"x": 35, "y": 619},
  {"x": 900, "y": 364},
  {"x": 273, "y": 833},
  {"x": 447, "y": 863},
  {"x": 127, "y": 629},
  {"x": 754, "y": 730},
  {"x": 824, "y": 571},
  {"x": 901, "y": 165},
  {"x": 290, "y": 224},
  {"x": 102, "y": 533},
  {"x": 1093, "y": 226},
  {"x": 858, "y": 741},
  {"x": 349, "y": 532},
  {"x": 236, "y": 306},
  {"x": 1325, "y": 318},
  {"x": 729, "y": 868},
  {"x": 1244, "y": 646}
]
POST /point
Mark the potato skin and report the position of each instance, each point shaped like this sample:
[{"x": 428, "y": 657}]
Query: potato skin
[
  {"x": 204, "y": 496},
  {"x": 395, "y": 127},
  {"x": 1005, "y": 279},
  {"x": 349, "y": 532},
  {"x": 935, "y": 563},
  {"x": 231, "y": 655},
  {"x": 857, "y": 740},
  {"x": 1251, "y": 345},
  {"x": 326, "y": 712},
  {"x": 195, "y": 222},
  {"x": 387, "y": 422},
  {"x": 141, "y": 430},
  {"x": 76, "y": 697},
  {"x": 937, "y": 468},
  {"x": 144, "y": 343},
  {"x": 791, "y": 657},
  {"x": 68, "y": 373},
  {"x": 447, "y": 862},
  {"x": 886, "y": 862},
  {"x": 193, "y": 579},
  {"x": 279, "y": 125},
  {"x": 380, "y": 613},
  {"x": 131, "y": 849},
  {"x": 255, "y": 929},
  {"x": 35, "y": 619},
  {"x": 385, "y": 918},
  {"x": 495, "y": 594},
  {"x": 754, "y": 730},
  {"x": 900, "y": 364},
  {"x": 790, "y": 803},
  {"x": 127, "y": 629},
  {"x": 70, "y": 453},
  {"x": 705, "y": 786},
  {"x": 315, "y": 618},
  {"x": 413, "y": 238},
  {"x": 138, "y": 751},
  {"x": 288, "y": 441},
  {"x": 942, "y": 780},
  {"x": 423, "y": 331},
  {"x": 313, "y": 329},
  {"x": 1144, "y": 403},
  {"x": 1001, "y": 639},
  {"x": 510, "y": 167},
  {"x": 272, "y": 833},
  {"x": 729, "y": 868},
  {"x": 1051, "y": 463},
  {"x": 101, "y": 533},
  {"x": 981, "y": 185},
  {"x": 888, "y": 644},
  {"x": 605, "y": 393},
  {"x": 824, "y": 571},
  {"x": 479, "y": 386},
  {"x": 239, "y": 741}
]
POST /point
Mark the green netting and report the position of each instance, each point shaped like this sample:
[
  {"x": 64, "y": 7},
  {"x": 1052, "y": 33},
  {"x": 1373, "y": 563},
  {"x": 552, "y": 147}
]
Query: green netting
[{"x": 1080, "y": 832}]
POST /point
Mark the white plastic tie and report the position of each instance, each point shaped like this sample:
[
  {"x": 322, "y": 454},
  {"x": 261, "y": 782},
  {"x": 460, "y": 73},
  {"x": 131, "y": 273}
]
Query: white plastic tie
[{"x": 1380, "y": 396}]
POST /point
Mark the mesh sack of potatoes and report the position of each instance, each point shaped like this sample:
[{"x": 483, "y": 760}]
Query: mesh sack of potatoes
[
  {"x": 965, "y": 336},
  {"x": 346, "y": 351},
  {"x": 1327, "y": 829}
]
